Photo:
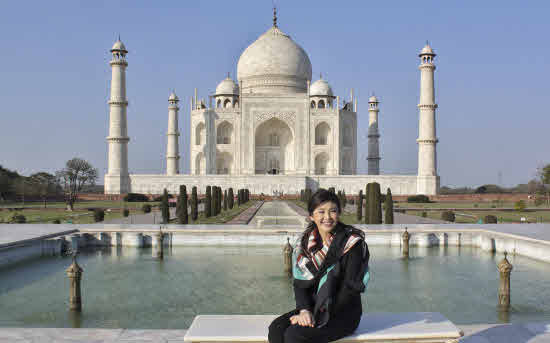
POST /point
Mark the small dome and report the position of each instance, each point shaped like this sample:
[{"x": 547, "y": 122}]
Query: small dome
[
  {"x": 173, "y": 97},
  {"x": 119, "y": 46},
  {"x": 373, "y": 99},
  {"x": 320, "y": 88},
  {"x": 227, "y": 87},
  {"x": 427, "y": 50}
]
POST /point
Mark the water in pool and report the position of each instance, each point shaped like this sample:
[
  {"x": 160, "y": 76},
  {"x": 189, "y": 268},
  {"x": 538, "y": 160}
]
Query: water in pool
[{"x": 127, "y": 288}]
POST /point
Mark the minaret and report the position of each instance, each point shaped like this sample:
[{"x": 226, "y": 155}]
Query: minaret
[
  {"x": 172, "y": 147},
  {"x": 373, "y": 135},
  {"x": 117, "y": 179},
  {"x": 427, "y": 139}
]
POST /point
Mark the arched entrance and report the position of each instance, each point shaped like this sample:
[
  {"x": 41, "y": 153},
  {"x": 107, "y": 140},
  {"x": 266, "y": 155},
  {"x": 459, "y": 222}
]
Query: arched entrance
[{"x": 274, "y": 146}]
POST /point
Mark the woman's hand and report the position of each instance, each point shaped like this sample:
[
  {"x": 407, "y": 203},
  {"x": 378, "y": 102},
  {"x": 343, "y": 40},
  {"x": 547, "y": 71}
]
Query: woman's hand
[{"x": 305, "y": 318}]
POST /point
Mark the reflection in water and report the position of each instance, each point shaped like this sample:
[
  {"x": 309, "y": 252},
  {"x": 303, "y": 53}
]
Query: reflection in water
[{"x": 126, "y": 287}]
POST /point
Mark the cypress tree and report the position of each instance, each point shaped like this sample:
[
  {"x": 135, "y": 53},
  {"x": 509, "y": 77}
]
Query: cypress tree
[
  {"x": 302, "y": 195},
  {"x": 218, "y": 207},
  {"x": 332, "y": 190},
  {"x": 183, "y": 217},
  {"x": 375, "y": 207},
  {"x": 208, "y": 202},
  {"x": 165, "y": 210},
  {"x": 339, "y": 195},
  {"x": 367, "y": 198},
  {"x": 225, "y": 200},
  {"x": 194, "y": 204},
  {"x": 344, "y": 199},
  {"x": 388, "y": 208},
  {"x": 238, "y": 197},
  {"x": 220, "y": 200},
  {"x": 214, "y": 201},
  {"x": 360, "y": 206},
  {"x": 231, "y": 198}
]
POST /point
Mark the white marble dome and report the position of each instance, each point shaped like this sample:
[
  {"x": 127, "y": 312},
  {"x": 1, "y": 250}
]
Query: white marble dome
[
  {"x": 227, "y": 87},
  {"x": 274, "y": 63},
  {"x": 373, "y": 98},
  {"x": 320, "y": 88},
  {"x": 118, "y": 46}
]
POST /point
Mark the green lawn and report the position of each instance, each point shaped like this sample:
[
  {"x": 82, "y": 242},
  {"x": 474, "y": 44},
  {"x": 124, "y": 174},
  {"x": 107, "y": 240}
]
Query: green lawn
[
  {"x": 80, "y": 204},
  {"x": 480, "y": 204},
  {"x": 221, "y": 218},
  {"x": 36, "y": 216}
]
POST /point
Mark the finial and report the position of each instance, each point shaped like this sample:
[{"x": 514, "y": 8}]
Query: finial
[
  {"x": 427, "y": 42},
  {"x": 321, "y": 75},
  {"x": 274, "y": 15},
  {"x": 228, "y": 74},
  {"x": 119, "y": 36}
]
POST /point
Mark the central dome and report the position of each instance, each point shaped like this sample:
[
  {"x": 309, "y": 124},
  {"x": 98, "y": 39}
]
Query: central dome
[{"x": 274, "y": 63}]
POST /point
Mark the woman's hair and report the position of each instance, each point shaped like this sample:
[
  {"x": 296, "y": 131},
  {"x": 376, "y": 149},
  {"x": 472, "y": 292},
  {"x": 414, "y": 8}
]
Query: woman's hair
[{"x": 317, "y": 199}]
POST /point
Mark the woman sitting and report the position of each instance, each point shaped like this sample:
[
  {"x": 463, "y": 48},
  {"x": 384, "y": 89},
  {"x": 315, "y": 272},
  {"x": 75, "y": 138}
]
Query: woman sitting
[{"x": 330, "y": 270}]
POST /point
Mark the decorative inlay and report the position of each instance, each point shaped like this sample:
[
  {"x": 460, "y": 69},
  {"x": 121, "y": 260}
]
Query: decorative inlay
[
  {"x": 118, "y": 102},
  {"x": 427, "y": 106},
  {"x": 118, "y": 139},
  {"x": 429, "y": 141},
  {"x": 287, "y": 117}
]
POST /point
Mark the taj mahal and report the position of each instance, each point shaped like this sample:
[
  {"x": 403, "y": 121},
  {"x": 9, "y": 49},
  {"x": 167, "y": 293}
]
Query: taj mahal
[{"x": 272, "y": 130}]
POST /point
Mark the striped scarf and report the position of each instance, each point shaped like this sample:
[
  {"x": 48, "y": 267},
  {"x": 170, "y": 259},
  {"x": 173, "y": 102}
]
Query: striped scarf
[{"x": 306, "y": 264}]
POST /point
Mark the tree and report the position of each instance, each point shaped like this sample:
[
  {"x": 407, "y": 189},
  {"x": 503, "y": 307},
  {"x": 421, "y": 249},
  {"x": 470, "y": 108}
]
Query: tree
[
  {"x": 544, "y": 175},
  {"x": 225, "y": 200},
  {"x": 231, "y": 198},
  {"x": 388, "y": 208},
  {"x": 7, "y": 179},
  {"x": 344, "y": 199},
  {"x": 367, "y": 199},
  {"x": 183, "y": 217},
  {"x": 208, "y": 202},
  {"x": 194, "y": 204},
  {"x": 375, "y": 207},
  {"x": 45, "y": 184},
  {"x": 164, "y": 208},
  {"x": 519, "y": 206},
  {"x": 77, "y": 174},
  {"x": 360, "y": 206}
]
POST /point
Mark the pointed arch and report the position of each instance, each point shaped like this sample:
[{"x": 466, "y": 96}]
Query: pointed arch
[
  {"x": 224, "y": 133},
  {"x": 200, "y": 134},
  {"x": 322, "y": 134},
  {"x": 321, "y": 163}
]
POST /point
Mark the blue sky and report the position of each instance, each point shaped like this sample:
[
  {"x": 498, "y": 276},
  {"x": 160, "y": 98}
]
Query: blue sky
[{"x": 491, "y": 78}]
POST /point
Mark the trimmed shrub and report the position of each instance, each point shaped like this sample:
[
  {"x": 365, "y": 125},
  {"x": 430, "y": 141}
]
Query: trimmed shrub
[
  {"x": 183, "y": 216},
  {"x": 225, "y": 200},
  {"x": 519, "y": 206},
  {"x": 17, "y": 218},
  {"x": 194, "y": 204},
  {"x": 420, "y": 198},
  {"x": 388, "y": 208},
  {"x": 214, "y": 201},
  {"x": 302, "y": 195},
  {"x": 344, "y": 199},
  {"x": 126, "y": 212},
  {"x": 309, "y": 195},
  {"x": 360, "y": 206},
  {"x": 159, "y": 198},
  {"x": 146, "y": 208},
  {"x": 332, "y": 190},
  {"x": 99, "y": 215},
  {"x": 231, "y": 198},
  {"x": 375, "y": 206},
  {"x": 136, "y": 197},
  {"x": 208, "y": 202},
  {"x": 448, "y": 216},
  {"x": 490, "y": 219},
  {"x": 366, "y": 213},
  {"x": 164, "y": 208},
  {"x": 56, "y": 221},
  {"x": 424, "y": 214}
]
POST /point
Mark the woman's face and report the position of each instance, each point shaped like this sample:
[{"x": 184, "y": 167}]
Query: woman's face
[{"x": 326, "y": 216}]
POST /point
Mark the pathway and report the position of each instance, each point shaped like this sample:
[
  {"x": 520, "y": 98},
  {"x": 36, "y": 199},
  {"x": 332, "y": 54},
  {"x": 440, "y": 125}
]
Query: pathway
[{"x": 277, "y": 213}]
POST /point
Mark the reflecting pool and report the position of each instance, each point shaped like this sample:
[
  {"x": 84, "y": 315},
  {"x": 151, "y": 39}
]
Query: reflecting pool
[{"x": 128, "y": 288}]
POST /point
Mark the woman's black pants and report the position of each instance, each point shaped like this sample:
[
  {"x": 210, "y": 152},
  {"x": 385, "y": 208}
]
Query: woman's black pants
[{"x": 281, "y": 331}]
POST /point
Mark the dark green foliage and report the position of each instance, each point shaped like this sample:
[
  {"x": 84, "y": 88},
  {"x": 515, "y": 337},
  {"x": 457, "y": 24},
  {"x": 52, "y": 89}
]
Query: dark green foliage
[
  {"x": 225, "y": 200},
  {"x": 17, "y": 218},
  {"x": 375, "y": 206},
  {"x": 366, "y": 198},
  {"x": 490, "y": 219},
  {"x": 56, "y": 221},
  {"x": 159, "y": 198},
  {"x": 388, "y": 208},
  {"x": 126, "y": 212},
  {"x": 239, "y": 197},
  {"x": 420, "y": 198},
  {"x": 448, "y": 216},
  {"x": 302, "y": 195},
  {"x": 183, "y": 216},
  {"x": 164, "y": 208},
  {"x": 99, "y": 215},
  {"x": 308, "y": 195},
  {"x": 214, "y": 201},
  {"x": 360, "y": 206},
  {"x": 231, "y": 198},
  {"x": 136, "y": 197},
  {"x": 424, "y": 214},
  {"x": 146, "y": 208},
  {"x": 332, "y": 190},
  {"x": 208, "y": 202},
  {"x": 344, "y": 199},
  {"x": 194, "y": 204}
]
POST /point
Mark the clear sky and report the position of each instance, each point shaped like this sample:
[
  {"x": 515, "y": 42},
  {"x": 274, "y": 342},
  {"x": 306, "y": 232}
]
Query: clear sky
[{"x": 492, "y": 77}]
